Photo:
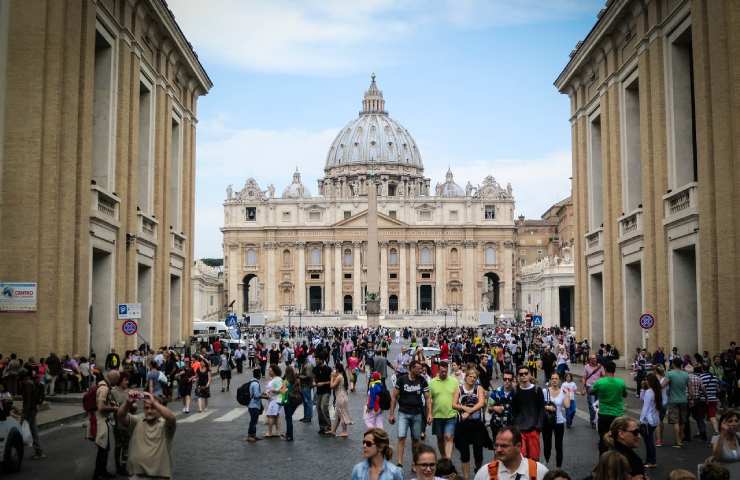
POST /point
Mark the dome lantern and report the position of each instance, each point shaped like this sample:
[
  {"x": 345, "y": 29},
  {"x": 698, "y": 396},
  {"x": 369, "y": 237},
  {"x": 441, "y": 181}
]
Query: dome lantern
[{"x": 373, "y": 101}]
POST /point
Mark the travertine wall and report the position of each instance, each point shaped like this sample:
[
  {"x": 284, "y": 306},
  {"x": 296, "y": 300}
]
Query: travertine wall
[
  {"x": 52, "y": 215},
  {"x": 674, "y": 216}
]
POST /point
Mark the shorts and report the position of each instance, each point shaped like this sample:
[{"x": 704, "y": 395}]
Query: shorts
[
  {"x": 412, "y": 421},
  {"x": 444, "y": 426},
  {"x": 712, "y": 408},
  {"x": 225, "y": 374},
  {"x": 678, "y": 413}
]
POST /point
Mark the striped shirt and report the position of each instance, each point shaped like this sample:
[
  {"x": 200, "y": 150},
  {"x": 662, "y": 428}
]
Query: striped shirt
[
  {"x": 696, "y": 389},
  {"x": 711, "y": 385}
]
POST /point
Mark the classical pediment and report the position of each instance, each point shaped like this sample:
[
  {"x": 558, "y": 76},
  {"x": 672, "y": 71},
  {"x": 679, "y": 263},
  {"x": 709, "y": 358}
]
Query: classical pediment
[{"x": 359, "y": 220}]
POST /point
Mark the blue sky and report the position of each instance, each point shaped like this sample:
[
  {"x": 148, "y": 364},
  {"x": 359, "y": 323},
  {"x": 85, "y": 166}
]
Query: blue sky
[{"x": 470, "y": 79}]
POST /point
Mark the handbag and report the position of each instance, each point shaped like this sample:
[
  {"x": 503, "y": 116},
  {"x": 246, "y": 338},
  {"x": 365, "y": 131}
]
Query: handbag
[
  {"x": 26, "y": 434},
  {"x": 551, "y": 418}
]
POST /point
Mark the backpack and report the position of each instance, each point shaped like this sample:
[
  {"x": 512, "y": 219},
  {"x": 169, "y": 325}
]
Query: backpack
[
  {"x": 243, "y": 393},
  {"x": 493, "y": 470},
  {"x": 384, "y": 399},
  {"x": 89, "y": 400}
]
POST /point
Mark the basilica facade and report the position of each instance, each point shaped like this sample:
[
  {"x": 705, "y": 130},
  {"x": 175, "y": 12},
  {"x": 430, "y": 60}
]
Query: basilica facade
[{"x": 444, "y": 249}]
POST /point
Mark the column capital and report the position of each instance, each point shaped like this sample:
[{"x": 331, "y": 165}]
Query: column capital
[
  {"x": 440, "y": 243},
  {"x": 269, "y": 245},
  {"x": 412, "y": 243},
  {"x": 357, "y": 244},
  {"x": 338, "y": 244},
  {"x": 327, "y": 243},
  {"x": 300, "y": 244},
  {"x": 508, "y": 244},
  {"x": 384, "y": 244},
  {"x": 469, "y": 243}
]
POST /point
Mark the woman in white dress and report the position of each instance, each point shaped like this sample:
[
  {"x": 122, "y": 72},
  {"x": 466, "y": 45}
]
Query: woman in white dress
[{"x": 274, "y": 398}]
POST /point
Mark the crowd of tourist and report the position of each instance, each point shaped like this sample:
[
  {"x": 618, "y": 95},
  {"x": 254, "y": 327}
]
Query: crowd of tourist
[{"x": 446, "y": 379}]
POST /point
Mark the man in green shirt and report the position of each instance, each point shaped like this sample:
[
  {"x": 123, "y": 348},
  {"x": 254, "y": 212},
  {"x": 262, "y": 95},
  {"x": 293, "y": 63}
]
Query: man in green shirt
[
  {"x": 678, "y": 399},
  {"x": 610, "y": 391},
  {"x": 442, "y": 389}
]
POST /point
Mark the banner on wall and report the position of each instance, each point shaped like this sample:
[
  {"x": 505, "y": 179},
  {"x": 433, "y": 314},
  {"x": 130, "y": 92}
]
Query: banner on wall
[{"x": 18, "y": 296}]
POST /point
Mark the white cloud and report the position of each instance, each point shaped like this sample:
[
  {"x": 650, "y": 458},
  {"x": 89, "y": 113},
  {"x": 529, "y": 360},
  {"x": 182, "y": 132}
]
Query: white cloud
[
  {"x": 231, "y": 156},
  {"x": 339, "y": 36}
]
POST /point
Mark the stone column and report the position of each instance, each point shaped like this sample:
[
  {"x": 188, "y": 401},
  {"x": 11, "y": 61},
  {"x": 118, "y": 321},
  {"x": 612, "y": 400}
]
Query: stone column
[
  {"x": 338, "y": 277},
  {"x": 402, "y": 266},
  {"x": 357, "y": 276},
  {"x": 439, "y": 275},
  {"x": 326, "y": 261},
  {"x": 270, "y": 283},
  {"x": 234, "y": 277},
  {"x": 384, "y": 277},
  {"x": 506, "y": 301},
  {"x": 412, "y": 276},
  {"x": 300, "y": 297},
  {"x": 469, "y": 273}
]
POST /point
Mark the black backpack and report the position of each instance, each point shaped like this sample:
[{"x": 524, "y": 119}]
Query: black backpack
[
  {"x": 243, "y": 393},
  {"x": 385, "y": 398}
]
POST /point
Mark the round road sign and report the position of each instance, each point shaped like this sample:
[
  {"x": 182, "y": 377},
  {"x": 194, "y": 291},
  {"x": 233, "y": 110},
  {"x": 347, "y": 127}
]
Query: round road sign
[
  {"x": 647, "y": 320},
  {"x": 129, "y": 327}
]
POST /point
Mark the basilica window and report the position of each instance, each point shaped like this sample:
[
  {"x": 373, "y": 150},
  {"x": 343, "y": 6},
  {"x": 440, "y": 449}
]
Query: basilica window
[
  {"x": 315, "y": 256},
  {"x": 314, "y": 216},
  {"x": 392, "y": 214},
  {"x": 425, "y": 215},
  {"x": 490, "y": 212},
  {"x": 347, "y": 257},
  {"x": 286, "y": 216},
  {"x": 393, "y": 257},
  {"x": 347, "y": 213},
  {"x": 391, "y": 189},
  {"x": 286, "y": 258},
  {"x": 454, "y": 256},
  {"x": 490, "y": 255},
  {"x": 453, "y": 215},
  {"x": 251, "y": 214},
  {"x": 251, "y": 257},
  {"x": 425, "y": 256}
]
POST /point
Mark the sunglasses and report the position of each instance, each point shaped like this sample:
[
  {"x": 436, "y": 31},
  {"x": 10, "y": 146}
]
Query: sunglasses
[
  {"x": 426, "y": 466},
  {"x": 522, "y": 374},
  {"x": 368, "y": 443},
  {"x": 508, "y": 379},
  {"x": 634, "y": 432}
]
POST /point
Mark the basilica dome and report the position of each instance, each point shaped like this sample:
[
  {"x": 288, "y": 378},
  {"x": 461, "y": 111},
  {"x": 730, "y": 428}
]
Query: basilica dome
[{"x": 373, "y": 137}]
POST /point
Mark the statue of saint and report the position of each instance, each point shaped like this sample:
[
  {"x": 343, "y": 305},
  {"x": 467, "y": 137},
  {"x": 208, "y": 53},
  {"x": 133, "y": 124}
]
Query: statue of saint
[{"x": 229, "y": 192}]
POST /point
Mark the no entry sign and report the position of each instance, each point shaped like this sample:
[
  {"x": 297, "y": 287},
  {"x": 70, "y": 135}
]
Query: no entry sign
[
  {"x": 129, "y": 327},
  {"x": 647, "y": 321}
]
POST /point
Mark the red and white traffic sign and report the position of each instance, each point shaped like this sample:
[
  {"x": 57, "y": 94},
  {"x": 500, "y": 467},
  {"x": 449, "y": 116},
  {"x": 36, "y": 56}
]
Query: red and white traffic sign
[
  {"x": 647, "y": 321},
  {"x": 129, "y": 327}
]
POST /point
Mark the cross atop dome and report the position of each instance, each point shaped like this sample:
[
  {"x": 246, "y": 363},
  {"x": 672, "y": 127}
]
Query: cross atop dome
[{"x": 373, "y": 101}]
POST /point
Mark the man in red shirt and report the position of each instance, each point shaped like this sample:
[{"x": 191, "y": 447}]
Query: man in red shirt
[{"x": 444, "y": 350}]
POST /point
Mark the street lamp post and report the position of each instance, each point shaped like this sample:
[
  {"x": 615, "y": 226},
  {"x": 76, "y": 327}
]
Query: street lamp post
[
  {"x": 456, "y": 308},
  {"x": 289, "y": 309}
]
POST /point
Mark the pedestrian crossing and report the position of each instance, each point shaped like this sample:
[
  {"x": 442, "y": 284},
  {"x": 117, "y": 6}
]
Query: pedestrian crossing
[
  {"x": 232, "y": 415},
  {"x": 196, "y": 417},
  {"x": 220, "y": 415}
]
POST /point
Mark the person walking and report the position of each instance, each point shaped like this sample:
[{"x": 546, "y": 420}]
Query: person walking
[
  {"x": 442, "y": 390},
  {"x": 470, "y": 400},
  {"x": 99, "y": 428},
  {"x": 499, "y": 403},
  {"x": 557, "y": 401},
  {"x": 509, "y": 463},
  {"x": 322, "y": 380},
  {"x": 340, "y": 384},
  {"x": 224, "y": 370},
  {"x": 120, "y": 395},
  {"x": 411, "y": 394},
  {"x": 376, "y": 453},
  {"x": 185, "y": 376},
  {"x": 611, "y": 392},
  {"x": 203, "y": 386},
  {"x": 592, "y": 371},
  {"x": 425, "y": 462},
  {"x": 570, "y": 388},
  {"x": 726, "y": 445},
  {"x": 652, "y": 403},
  {"x": 697, "y": 396},
  {"x": 624, "y": 437},
  {"x": 32, "y": 393},
  {"x": 678, "y": 400},
  {"x": 527, "y": 408},
  {"x": 373, "y": 414}
]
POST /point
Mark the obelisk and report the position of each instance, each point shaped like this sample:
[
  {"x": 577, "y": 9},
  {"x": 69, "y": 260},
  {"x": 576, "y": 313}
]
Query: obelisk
[{"x": 372, "y": 300}]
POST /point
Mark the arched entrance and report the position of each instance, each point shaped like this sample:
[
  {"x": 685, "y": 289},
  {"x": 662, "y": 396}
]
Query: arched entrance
[
  {"x": 425, "y": 298},
  {"x": 348, "y": 304},
  {"x": 314, "y": 298},
  {"x": 250, "y": 293},
  {"x": 491, "y": 292},
  {"x": 393, "y": 303}
]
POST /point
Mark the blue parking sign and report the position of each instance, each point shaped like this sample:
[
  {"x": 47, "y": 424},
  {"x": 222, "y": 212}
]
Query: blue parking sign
[
  {"x": 537, "y": 320},
  {"x": 122, "y": 309}
]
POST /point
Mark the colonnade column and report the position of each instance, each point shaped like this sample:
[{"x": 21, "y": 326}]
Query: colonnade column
[
  {"x": 234, "y": 273},
  {"x": 469, "y": 270},
  {"x": 338, "y": 300},
  {"x": 402, "y": 276},
  {"x": 507, "y": 302},
  {"x": 327, "y": 277},
  {"x": 270, "y": 281},
  {"x": 384, "y": 277},
  {"x": 301, "y": 284},
  {"x": 412, "y": 276},
  {"x": 439, "y": 275},
  {"x": 357, "y": 276}
]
